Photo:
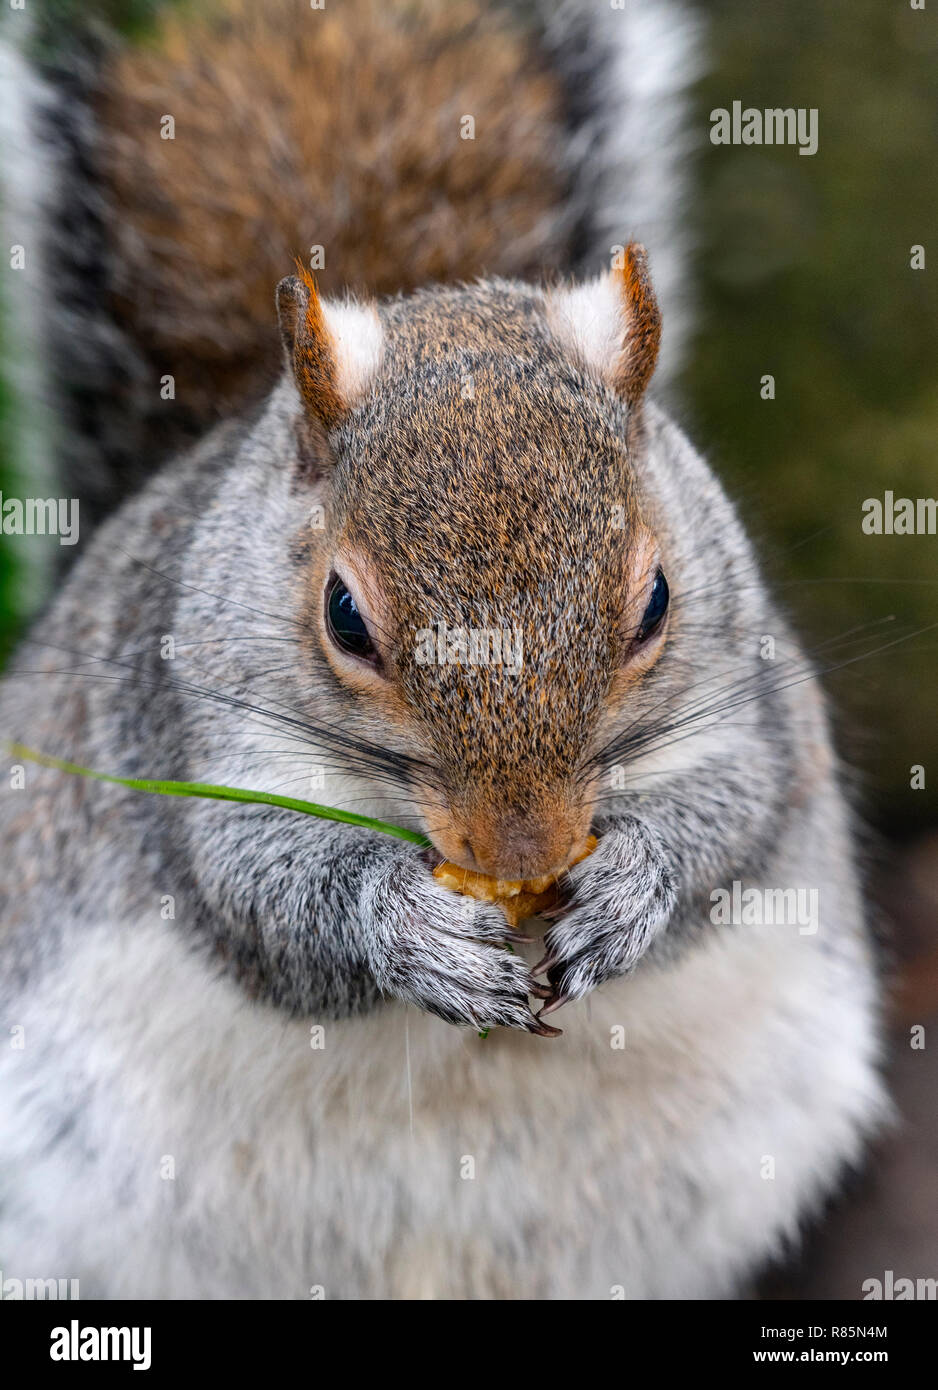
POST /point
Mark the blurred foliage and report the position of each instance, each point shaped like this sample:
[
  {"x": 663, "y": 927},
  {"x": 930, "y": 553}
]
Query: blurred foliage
[
  {"x": 8, "y": 570},
  {"x": 804, "y": 273},
  {"x": 52, "y": 27},
  {"x": 56, "y": 19}
]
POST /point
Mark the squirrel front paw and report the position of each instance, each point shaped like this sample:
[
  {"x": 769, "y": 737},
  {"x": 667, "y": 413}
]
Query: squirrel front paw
[
  {"x": 621, "y": 897},
  {"x": 447, "y": 953}
]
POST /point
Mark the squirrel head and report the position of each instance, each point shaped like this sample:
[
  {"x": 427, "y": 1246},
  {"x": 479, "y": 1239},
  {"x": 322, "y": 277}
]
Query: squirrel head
[{"x": 487, "y": 586}]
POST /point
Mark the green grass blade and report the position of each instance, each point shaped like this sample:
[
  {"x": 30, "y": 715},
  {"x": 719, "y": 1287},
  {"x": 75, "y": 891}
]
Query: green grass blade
[{"x": 215, "y": 793}]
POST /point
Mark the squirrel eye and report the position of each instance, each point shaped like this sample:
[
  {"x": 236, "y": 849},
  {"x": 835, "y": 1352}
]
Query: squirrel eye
[
  {"x": 657, "y": 607},
  {"x": 345, "y": 624}
]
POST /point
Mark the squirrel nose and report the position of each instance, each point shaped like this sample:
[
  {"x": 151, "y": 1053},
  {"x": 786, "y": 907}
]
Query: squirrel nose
[
  {"x": 523, "y": 849},
  {"x": 536, "y": 840}
]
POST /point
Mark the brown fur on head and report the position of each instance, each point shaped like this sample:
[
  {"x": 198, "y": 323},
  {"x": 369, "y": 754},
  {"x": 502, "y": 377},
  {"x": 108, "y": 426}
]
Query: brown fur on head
[{"x": 481, "y": 480}]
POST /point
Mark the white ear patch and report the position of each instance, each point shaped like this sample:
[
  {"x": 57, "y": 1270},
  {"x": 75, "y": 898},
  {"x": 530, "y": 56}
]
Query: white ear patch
[
  {"x": 612, "y": 325},
  {"x": 357, "y": 340},
  {"x": 591, "y": 321}
]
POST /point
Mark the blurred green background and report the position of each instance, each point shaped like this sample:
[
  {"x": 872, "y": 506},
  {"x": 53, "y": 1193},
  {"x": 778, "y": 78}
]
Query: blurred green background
[
  {"x": 8, "y": 593},
  {"x": 803, "y": 271}
]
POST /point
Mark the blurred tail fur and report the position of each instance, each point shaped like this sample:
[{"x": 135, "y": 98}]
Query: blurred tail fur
[{"x": 162, "y": 188}]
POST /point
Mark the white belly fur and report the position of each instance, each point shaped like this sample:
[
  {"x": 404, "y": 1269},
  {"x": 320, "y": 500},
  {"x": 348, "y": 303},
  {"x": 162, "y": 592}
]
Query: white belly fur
[{"x": 596, "y": 1169}]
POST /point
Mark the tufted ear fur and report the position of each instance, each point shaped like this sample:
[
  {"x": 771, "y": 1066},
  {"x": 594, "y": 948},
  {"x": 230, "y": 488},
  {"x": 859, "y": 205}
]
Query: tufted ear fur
[
  {"x": 612, "y": 324},
  {"x": 334, "y": 349}
]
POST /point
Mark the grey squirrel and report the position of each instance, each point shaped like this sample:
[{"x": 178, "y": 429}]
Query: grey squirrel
[{"x": 235, "y": 1074}]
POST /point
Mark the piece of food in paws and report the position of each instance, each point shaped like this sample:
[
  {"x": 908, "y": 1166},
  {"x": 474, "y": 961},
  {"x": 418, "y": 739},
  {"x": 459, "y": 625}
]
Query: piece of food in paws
[{"x": 518, "y": 898}]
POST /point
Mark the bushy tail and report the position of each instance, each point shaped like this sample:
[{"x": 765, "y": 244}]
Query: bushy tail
[{"x": 162, "y": 186}]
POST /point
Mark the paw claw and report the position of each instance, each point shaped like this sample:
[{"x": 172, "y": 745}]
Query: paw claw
[
  {"x": 556, "y": 1001},
  {"x": 543, "y": 1030}
]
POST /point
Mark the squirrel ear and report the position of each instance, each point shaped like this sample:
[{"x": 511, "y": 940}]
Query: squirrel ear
[
  {"x": 333, "y": 349},
  {"x": 613, "y": 324}
]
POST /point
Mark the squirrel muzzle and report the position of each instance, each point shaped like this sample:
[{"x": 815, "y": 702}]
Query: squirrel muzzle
[{"x": 507, "y": 843}]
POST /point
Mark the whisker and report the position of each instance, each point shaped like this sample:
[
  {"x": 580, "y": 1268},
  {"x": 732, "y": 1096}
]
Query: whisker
[{"x": 648, "y": 739}]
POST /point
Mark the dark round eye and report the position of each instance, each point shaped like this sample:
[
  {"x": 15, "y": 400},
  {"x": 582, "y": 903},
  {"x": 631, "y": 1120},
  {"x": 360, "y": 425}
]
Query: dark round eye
[
  {"x": 653, "y": 616},
  {"x": 346, "y": 625}
]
